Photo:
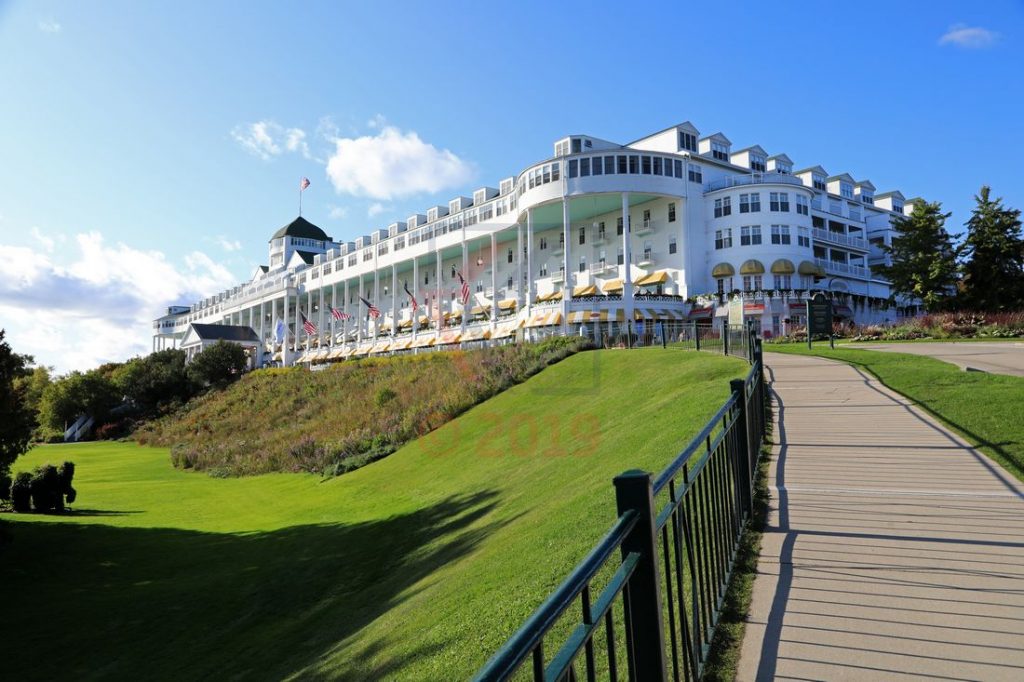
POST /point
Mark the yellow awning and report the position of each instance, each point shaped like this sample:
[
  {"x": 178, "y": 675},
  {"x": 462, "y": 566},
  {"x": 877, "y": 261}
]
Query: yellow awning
[
  {"x": 401, "y": 344},
  {"x": 507, "y": 304},
  {"x": 477, "y": 334},
  {"x": 723, "y": 270},
  {"x": 478, "y": 310},
  {"x": 545, "y": 319},
  {"x": 588, "y": 290},
  {"x": 449, "y": 337},
  {"x": 363, "y": 349},
  {"x": 809, "y": 268},
  {"x": 380, "y": 346},
  {"x": 454, "y": 315},
  {"x": 424, "y": 341},
  {"x": 752, "y": 267},
  {"x": 505, "y": 329},
  {"x": 783, "y": 267},
  {"x": 405, "y": 324},
  {"x": 652, "y": 279},
  {"x": 554, "y": 296},
  {"x": 612, "y": 286},
  {"x": 585, "y": 316}
]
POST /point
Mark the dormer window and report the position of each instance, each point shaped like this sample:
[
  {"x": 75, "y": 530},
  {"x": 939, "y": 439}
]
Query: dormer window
[
  {"x": 687, "y": 141},
  {"x": 818, "y": 181},
  {"x": 897, "y": 207},
  {"x": 758, "y": 163},
  {"x": 719, "y": 151},
  {"x": 784, "y": 168},
  {"x": 577, "y": 145},
  {"x": 846, "y": 190},
  {"x": 867, "y": 198}
]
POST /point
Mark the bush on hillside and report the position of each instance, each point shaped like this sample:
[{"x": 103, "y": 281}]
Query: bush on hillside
[
  {"x": 952, "y": 325},
  {"x": 333, "y": 421},
  {"x": 21, "y": 492},
  {"x": 218, "y": 365},
  {"x": 5, "y": 487}
]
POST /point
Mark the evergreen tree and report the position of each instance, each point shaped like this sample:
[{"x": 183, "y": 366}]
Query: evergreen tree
[
  {"x": 923, "y": 257},
  {"x": 17, "y": 419},
  {"x": 993, "y": 252}
]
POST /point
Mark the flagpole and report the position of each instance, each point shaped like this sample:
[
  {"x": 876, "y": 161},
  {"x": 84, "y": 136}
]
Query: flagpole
[{"x": 300, "y": 197}]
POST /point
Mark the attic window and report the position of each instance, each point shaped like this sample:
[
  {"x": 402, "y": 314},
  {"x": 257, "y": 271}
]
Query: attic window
[
  {"x": 687, "y": 141},
  {"x": 758, "y": 163},
  {"x": 818, "y": 181},
  {"x": 719, "y": 151},
  {"x": 897, "y": 207},
  {"x": 846, "y": 190},
  {"x": 576, "y": 145},
  {"x": 784, "y": 168}
]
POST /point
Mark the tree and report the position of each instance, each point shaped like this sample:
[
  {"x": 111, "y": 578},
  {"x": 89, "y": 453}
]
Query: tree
[
  {"x": 923, "y": 257},
  {"x": 155, "y": 379},
  {"x": 17, "y": 419},
  {"x": 993, "y": 253},
  {"x": 92, "y": 393},
  {"x": 218, "y": 364}
]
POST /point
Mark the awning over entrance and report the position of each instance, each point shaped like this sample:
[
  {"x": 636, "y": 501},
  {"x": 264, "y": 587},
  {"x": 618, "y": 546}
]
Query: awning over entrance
[
  {"x": 424, "y": 341},
  {"x": 507, "y": 304},
  {"x": 477, "y": 334},
  {"x": 585, "y": 316},
  {"x": 449, "y": 337}
]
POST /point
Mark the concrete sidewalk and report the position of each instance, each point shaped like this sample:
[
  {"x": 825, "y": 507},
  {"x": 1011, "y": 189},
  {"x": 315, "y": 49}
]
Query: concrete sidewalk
[
  {"x": 894, "y": 551},
  {"x": 980, "y": 356}
]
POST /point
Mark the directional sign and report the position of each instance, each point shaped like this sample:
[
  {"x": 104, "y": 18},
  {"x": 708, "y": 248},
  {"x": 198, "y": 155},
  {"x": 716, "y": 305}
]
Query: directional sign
[{"x": 819, "y": 318}]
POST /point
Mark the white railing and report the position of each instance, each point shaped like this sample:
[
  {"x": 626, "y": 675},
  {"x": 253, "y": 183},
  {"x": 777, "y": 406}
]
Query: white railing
[
  {"x": 839, "y": 238},
  {"x": 844, "y": 268},
  {"x": 752, "y": 179}
]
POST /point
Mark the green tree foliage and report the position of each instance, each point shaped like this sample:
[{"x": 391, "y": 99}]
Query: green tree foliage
[
  {"x": 154, "y": 380},
  {"x": 923, "y": 257},
  {"x": 218, "y": 365},
  {"x": 993, "y": 252},
  {"x": 21, "y": 492},
  {"x": 93, "y": 393},
  {"x": 17, "y": 419}
]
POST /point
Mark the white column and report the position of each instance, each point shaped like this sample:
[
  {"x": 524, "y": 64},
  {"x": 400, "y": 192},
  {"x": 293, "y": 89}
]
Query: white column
[
  {"x": 344, "y": 323},
  {"x": 309, "y": 316},
  {"x": 438, "y": 314},
  {"x": 415, "y": 292},
  {"x": 494, "y": 280},
  {"x": 465, "y": 274},
  {"x": 359, "y": 308},
  {"x": 263, "y": 331},
  {"x": 394, "y": 300},
  {"x": 376, "y": 297},
  {"x": 567, "y": 281},
  {"x": 297, "y": 327},
  {"x": 284, "y": 342},
  {"x": 320, "y": 317},
  {"x": 627, "y": 257},
  {"x": 529, "y": 259},
  {"x": 519, "y": 267}
]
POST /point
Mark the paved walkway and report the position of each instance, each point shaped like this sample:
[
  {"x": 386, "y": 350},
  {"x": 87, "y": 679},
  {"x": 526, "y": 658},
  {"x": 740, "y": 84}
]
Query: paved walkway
[
  {"x": 894, "y": 550},
  {"x": 982, "y": 356}
]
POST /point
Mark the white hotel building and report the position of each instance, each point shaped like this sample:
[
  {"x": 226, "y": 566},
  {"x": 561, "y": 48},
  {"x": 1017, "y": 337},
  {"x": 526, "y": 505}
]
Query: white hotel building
[{"x": 600, "y": 235}]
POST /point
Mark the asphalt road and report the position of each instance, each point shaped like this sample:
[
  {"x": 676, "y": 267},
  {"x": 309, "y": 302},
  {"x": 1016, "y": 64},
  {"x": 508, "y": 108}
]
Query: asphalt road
[{"x": 998, "y": 358}]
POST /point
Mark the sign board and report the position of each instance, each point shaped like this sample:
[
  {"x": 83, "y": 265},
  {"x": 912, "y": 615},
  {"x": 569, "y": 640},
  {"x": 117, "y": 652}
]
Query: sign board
[
  {"x": 736, "y": 311},
  {"x": 819, "y": 318}
]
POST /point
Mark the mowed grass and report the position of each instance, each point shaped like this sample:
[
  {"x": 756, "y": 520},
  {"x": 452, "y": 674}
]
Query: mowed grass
[
  {"x": 416, "y": 567},
  {"x": 986, "y": 409}
]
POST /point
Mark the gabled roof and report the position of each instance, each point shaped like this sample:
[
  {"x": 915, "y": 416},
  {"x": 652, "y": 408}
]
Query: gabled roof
[
  {"x": 685, "y": 126},
  {"x": 895, "y": 194},
  {"x": 757, "y": 149},
  {"x": 866, "y": 184},
  {"x": 843, "y": 177},
  {"x": 717, "y": 137},
  {"x": 300, "y": 227},
  {"x": 306, "y": 256},
  {"x": 223, "y": 332},
  {"x": 817, "y": 170},
  {"x": 781, "y": 157},
  {"x": 259, "y": 272}
]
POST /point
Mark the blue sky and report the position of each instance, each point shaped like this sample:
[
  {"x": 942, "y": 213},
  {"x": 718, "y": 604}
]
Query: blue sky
[{"x": 148, "y": 150}]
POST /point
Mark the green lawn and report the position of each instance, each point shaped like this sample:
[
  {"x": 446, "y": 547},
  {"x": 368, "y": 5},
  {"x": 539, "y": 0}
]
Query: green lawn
[
  {"x": 984, "y": 408},
  {"x": 415, "y": 567}
]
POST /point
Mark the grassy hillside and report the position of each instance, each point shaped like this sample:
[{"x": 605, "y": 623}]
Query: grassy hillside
[
  {"x": 415, "y": 567},
  {"x": 338, "y": 419}
]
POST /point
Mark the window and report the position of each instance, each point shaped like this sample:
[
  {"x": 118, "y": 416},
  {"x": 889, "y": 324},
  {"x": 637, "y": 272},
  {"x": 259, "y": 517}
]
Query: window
[
  {"x": 647, "y": 217},
  {"x": 645, "y": 165},
  {"x": 672, "y": 212},
  {"x": 426, "y": 279},
  {"x": 719, "y": 151},
  {"x": 750, "y": 203},
  {"x": 584, "y": 167},
  {"x": 596, "y": 165},
  {"x": 618, "y": 225},
  {"x": 723, "y": 207},
  {"x": 671, "y": 245},
  {"x": 510, "y": 281},
  {"x": 479, "y": 286},
  {"x": 750, "y": 235},
  {"x": 758, "y": 163},
  {"x": 780, "y": 234},
  {"x": 783, "y": 168},
  {"x": 723, "y": 238},
  {"x": 803, "y": 237},
  {"x": 818, "y": 181},
  {"x": 687, "y": 141},
  {"x": 867, "y": 199},
  {"x": 576, "y": 145},
  {"x": 600, "y": 230},
  {"x": 583, "y": 263},
  {"x": 634, "y": 164},
  {"x": 696, "y": 173},
  {"x": 801, "y": 205},
  {"x": 677, "y": 165},
  {"x": 846, "y": 190},
  {"x": 623, "y": 168},
  {"x": 779, "y": 201},
  {"x": 574, "y": 167},
  {"x": 657, "y": 165},
  {"x": 543, "y": 270},
  {"x": 751, "y": 282},
  {"x": 511, "y": 254},
  {"x": 583, "y": 235},
  {"x": 897, "y": 207},
  {"x": 543, "y": 243},
  {"x": 648, "y": 251},
  {"x": 554, "y": 172},
  {"x": 619, "y": 258},
  {"x": 724, "y": 284},
  {"x": 783, "y": 281}
]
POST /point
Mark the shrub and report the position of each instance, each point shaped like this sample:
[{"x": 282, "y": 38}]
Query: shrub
[
  {"x": 5, "y": 487},
  {"x": 21, "y": 492},
  {"x": 384, "y": 396},
  {"x": 218, "y": 365},
  {"x": 46, "y": 489}
]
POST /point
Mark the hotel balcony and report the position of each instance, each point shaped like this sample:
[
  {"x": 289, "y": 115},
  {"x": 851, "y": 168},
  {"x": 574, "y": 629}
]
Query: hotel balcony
[
  {"x": 646, "y": 227},
  {"x": 645, "y": 259},
  {"x": 842, "y": 268},
  {"x": 839, "y": 238},
  {"x": 752, "y": 179}
]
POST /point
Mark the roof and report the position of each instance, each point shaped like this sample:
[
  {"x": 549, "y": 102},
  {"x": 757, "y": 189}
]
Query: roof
[
  {"x": 300, "y": 227},
  {"x": 757, "y": 149},
  {"x": 226, "y": 332},
  {"x": 813, "y": 169},
  {"x": 307, "y": 256}
]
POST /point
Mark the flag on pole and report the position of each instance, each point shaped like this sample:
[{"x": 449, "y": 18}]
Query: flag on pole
[
  {"x": 415, "y": 304},
  {"x": 303, "y": 184},
  {"x": 308, "y": 326},
  {"x": 279, "y": 331},
  {"x": 465, "y": 288},
  {"x": 337, "y": 314},
  {"x": 373, "y": 310}
]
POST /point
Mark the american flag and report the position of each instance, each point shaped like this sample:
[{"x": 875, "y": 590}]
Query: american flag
[
  {"x": 308, "y": 326},
  {"x": 337, "y": 314},
  {"x": 303, "y": 184},
  {"x": 465, "y": 288},
  {"x": 415, "y": 305},
  {"x": 371, "y": 308}
]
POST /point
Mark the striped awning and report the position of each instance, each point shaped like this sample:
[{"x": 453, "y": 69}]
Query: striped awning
[
  {"x": 612, "y": 286},
  {"x": 380, "y": 347},
  {"x": 277, "y": 356},
  {"x": 657, "y": 314},
  {"x": 653, "y": 279},
  {"x": 424, "y": 341},
  {"x": 477, "y": 334},
  {"x": 405, "y": 324},
  {"x": 363, "y": 349},
  {"x": 505, "y": 329},
  {"x": 585, "y": 316},
  {"x": 449, "y": 337},
  {"x": 545, "y": 319},
  {"x": 701, "y": 313},
  {"x": 584, "y": 290},
  {"x": 402, "y": 344},
  {"x": 507, "y": 304},
  {"x": 478, "y": 310},
  {"x": 337, "y": 352}
]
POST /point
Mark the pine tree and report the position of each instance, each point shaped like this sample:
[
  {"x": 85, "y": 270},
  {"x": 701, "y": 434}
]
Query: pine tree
[
  {"x": 923, "y": 257},
  {"x": 993, "y": 253}
]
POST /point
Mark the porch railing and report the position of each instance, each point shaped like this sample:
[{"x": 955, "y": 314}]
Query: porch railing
[{"x": 645, "y": 602}]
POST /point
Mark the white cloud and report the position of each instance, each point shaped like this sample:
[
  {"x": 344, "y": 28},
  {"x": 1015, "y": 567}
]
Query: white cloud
[
  {"x": 338, "y": 212},
  {"x": 99, "y": 305},
  {"x": 49, "y": 26},
  {"x": 266, "y": 139},
  {"x": 392, "y": 164},
  {"x": 970, "y": 37},
  {"x": 48, "y": 243},
  {"x": 228, "y": 244},
  {"x": 376, "y": 209}
]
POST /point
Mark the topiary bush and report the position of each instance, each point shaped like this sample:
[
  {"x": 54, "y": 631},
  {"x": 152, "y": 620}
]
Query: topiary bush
[
  {"x": 46, "y": 490},
  {"x": 21, "y": 492},
  {"x": 5, "y": 487}
]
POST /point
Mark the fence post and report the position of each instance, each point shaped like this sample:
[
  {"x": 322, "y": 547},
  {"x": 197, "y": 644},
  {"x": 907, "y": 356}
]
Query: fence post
[
  {"x": 696, "y": 335},
  {"x": 664, "y": 342},
  {"x": 739, "y": 390},
  {"x": 647, "y": 637},
  {"x": 725, "y": 339}
]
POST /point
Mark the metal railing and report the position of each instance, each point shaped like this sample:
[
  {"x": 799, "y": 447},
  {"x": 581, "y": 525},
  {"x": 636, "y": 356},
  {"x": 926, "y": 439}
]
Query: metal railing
[
  {"x": 752, "y": 179},
  {"x": 670, "y": 554},
  {"x": 839, "y": 238}
]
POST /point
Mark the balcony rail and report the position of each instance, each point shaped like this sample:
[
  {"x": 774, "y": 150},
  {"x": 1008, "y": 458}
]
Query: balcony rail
[
  {"x": 752, "y": 179},
  {"x": 839, "y": 238},
  {"x": 844, "y": 268}
]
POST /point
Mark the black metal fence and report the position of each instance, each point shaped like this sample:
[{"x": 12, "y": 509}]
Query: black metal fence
[{"x": 648, "y": 596}]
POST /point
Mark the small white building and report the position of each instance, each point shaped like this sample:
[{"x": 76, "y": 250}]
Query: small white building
[{"x": 199, "y": 336}]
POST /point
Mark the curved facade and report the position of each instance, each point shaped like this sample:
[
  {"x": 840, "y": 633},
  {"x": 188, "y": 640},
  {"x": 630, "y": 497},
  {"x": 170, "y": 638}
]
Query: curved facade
[{"x": 667, "y": 227}]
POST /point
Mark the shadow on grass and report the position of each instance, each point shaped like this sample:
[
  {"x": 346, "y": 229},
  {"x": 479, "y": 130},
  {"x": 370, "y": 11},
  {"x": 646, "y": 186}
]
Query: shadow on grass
[{"x": 90, "y": 601}]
